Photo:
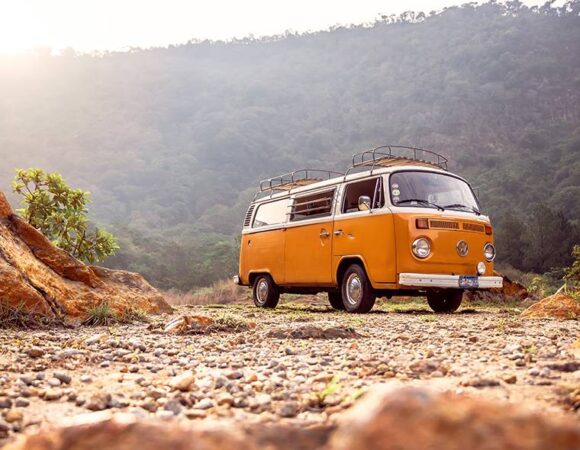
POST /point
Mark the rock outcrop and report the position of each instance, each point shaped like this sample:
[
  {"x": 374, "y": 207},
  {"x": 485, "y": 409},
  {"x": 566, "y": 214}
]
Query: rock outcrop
[
  {"x": 511, "y": 290},
  {"x": 40, "y": 278},
  {"x": 386, "y": 418},
  {"x": 557, "y": 306}
]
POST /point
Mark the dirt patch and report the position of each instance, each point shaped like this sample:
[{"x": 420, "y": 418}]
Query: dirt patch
[{"x": 309, "y": 331}]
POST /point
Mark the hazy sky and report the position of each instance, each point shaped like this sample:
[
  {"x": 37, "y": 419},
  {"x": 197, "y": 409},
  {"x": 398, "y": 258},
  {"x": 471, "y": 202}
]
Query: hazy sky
[{"x": 117, "y": 24}]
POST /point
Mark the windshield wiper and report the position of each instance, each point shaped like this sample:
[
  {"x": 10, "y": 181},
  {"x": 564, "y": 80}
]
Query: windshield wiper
[
  {"x": 459, "y": 205},
  {"x": 423, "y": 201}
]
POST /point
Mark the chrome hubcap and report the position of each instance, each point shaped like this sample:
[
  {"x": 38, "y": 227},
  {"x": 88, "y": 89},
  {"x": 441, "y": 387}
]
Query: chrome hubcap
[
  {"x": 354, "y": 289},
  {"x": 262, "y": 291}
]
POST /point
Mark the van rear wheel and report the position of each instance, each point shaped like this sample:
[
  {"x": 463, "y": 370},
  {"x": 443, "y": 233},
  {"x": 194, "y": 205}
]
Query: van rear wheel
[
  {"x": 358, "y": 296},
  {"x": 335, "y": 299},
  {"x": 445, "y": 301},
  {"x": 265, "y": 292}
]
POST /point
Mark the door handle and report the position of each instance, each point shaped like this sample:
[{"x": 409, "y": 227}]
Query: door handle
[
  {"x": 338, "y": 233},
  {"x": 324, "y": 233}
]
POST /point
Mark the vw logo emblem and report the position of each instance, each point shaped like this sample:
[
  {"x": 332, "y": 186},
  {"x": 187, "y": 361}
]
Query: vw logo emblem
[{"x": 462, "y": 248}]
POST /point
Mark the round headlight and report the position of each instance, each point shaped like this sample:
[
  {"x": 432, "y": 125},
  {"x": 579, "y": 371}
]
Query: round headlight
[
  {"x": 489, "y": 252},
  {"x": 421, "y": 248},
  {"x": 481, "y": 268}
]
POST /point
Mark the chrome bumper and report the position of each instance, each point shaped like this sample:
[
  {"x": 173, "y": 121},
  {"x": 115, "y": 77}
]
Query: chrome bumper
[
  {"x": 444, "y": 281},
  {"x": 237, "y": 279}
]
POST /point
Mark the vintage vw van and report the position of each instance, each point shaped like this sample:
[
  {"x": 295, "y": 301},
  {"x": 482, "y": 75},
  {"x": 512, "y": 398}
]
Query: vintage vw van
[{"x": 396, "y": 223}]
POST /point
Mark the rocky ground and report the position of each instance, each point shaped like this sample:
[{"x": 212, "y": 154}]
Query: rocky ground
[{"x": 301, "y": 363}]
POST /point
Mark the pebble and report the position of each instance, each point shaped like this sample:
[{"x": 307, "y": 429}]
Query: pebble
[
  {"x": 13, "y": 415},
  {"x": 288, "y": 409},
  {"x": 174, "y": 406},
  {"x": 52, "y": 395},
  {"x": 62, "y": 377},
  {"x": 21, "y": 403},
  {"x": 510, "y": 379},
  {"x": 195, "y": 413},
  {"x": 34, "y": 352},
  {"x": 54, "y": 382},
  {"x": 98, "y": 401},
  {"x": 204, "y": 403},
  {"x": 183, "y": 382}
]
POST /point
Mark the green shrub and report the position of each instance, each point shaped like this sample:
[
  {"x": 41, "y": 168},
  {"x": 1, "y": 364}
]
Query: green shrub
[{"x": 60, "y": 213}]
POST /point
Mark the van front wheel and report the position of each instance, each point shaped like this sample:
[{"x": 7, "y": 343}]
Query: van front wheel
[
  {"x": 446, "y": 301},
  {"x": 265, "y": 292},
  {"x": 335, "y": 299},
  {"x": 358, "y": 296}
]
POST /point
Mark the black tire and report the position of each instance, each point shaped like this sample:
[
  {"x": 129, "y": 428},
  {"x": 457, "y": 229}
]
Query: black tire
[
  {"x": 265, "y": 292},
  {"x": 365, "y": 300},
  {"x": 445, "y": 301},
  {"x": 335, "y": 299}
]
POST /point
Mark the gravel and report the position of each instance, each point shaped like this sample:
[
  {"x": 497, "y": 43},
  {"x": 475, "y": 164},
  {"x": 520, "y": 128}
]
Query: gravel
[{"x": 301, "y": 362}]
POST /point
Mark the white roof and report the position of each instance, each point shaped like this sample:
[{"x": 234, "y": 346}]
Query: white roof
[{"x": 353, "y": 176}]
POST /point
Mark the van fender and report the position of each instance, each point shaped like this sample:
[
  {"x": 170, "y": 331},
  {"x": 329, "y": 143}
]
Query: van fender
[
  {"x": 254, "y": 273},
  {"x": 344, "y": 262}
]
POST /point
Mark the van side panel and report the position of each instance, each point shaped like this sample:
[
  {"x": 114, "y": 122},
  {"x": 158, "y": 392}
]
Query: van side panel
[
  {"x": 263, "y": 252},
  {"x": 309, "y": 253},
  {"x": 370, "y": 236}
]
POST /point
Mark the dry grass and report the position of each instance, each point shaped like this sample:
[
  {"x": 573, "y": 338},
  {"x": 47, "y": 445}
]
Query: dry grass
[
  {"x": 221, "y": 293},
  {"x": 17, "y": 317}
]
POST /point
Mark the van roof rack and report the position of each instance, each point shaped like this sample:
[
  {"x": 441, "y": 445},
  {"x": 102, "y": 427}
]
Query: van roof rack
[
  {"x": 396, "y": 155},
  {"x": 297, "y": 178}
]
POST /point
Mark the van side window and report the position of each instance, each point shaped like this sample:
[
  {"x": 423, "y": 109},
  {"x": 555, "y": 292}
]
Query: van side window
[
  {"x": 372, "y": 188},
  {"x": 312, "y": 206},
  {"x": 271, "y": 213}
]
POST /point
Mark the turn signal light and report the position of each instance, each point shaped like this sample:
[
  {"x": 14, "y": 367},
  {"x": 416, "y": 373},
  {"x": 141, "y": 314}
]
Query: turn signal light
[
  {"x": 422, "y": 224},
  {"x": 488, "y": 229}
]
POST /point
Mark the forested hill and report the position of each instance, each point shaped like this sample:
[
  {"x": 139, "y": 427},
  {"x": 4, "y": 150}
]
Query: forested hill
[{"x": 171, "y": 142}]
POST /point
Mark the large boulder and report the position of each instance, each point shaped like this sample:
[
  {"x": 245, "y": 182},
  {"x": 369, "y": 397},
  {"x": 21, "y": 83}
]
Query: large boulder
[
  {"x": 557, "y": 306},
  {"x": 38, "y": 277}
]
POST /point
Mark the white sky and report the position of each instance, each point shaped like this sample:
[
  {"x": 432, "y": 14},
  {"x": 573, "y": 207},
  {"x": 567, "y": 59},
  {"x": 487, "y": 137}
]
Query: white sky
[{"x": 88, "y": 25}]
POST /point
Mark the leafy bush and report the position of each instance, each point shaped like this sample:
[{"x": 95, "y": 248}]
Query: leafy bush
[{"x": 60, "y": 212}]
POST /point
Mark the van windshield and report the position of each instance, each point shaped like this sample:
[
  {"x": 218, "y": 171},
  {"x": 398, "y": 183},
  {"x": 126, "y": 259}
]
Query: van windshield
[{"x": 431, "y": 190}]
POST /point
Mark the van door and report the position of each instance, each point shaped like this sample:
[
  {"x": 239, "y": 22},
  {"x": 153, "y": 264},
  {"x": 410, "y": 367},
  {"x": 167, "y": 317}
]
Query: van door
[
  {"x": 263, "y": 247},
  {"x": 367, "y": 233},
  {"x": 308, "y": 254}
]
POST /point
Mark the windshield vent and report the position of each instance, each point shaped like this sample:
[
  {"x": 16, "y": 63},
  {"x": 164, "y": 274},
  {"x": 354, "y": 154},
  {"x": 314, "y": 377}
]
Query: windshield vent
[
  {"x": 444, "y": 224},
  {"x": 248, "y": 219},
  {"x": 473, "y": 227}
]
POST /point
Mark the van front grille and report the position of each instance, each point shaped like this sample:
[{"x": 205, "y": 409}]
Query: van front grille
[
  {"x": 248, "y": 219},
  {"x": 473, "y": 227},
  {"x": 444, "y": 224}
]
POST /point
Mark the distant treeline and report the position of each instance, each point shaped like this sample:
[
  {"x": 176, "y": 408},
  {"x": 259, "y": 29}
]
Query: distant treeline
[{"x": 171, "y": 142}]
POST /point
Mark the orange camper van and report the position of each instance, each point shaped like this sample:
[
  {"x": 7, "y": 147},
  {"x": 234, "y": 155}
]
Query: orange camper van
[{"x": 396, "y": 223}]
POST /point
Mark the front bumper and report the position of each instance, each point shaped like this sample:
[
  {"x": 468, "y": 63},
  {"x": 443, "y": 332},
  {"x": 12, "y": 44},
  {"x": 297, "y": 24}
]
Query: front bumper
[
  {"x": 237, "y": 280},
  {"x": 445, "y": 281}
]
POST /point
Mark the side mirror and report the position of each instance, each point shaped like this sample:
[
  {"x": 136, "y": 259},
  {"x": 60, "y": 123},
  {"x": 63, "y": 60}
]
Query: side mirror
[{"x": 364, "y": 203}]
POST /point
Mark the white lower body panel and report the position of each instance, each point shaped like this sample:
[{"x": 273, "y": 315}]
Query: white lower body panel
[{"x": 445, "y": 281}]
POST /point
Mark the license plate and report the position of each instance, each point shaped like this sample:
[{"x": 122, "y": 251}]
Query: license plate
[{"x": 468, "y": 282}]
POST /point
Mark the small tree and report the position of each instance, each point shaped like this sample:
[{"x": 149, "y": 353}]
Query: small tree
[{"x": 60, "y": 213}]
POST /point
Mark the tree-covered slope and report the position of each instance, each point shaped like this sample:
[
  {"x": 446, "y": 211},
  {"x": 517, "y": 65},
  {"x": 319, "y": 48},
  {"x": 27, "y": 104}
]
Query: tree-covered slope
[{"x": 171, "y": 142}]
